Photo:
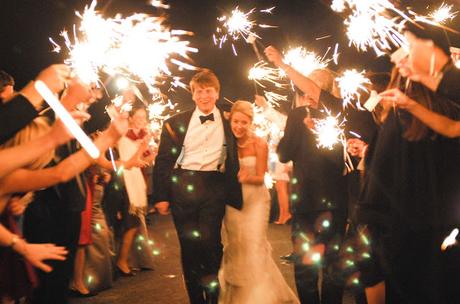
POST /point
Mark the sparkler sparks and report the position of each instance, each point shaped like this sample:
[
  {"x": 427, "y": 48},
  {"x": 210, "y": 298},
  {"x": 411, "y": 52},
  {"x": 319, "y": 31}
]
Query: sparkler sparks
[
  {"x": 369, "y": 25},
  {"x": 304, "y": 61},
  {"x": 139, "y": 45},
  {"x": 350, "y": 83},
  {"x": 262, "y": 72},
  {"x": 329, "y": 131},
  {"x": 443, "y": 13},
  {"x": 238, "y": 26}
]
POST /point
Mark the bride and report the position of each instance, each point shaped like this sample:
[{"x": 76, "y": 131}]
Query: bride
[{"x": 248, "y": 273}]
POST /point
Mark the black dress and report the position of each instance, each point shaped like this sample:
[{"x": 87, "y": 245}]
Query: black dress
[{"x": 410, "y": 203}]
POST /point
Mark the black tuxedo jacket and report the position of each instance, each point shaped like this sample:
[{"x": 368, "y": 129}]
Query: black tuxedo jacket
[
  {"x": 319, "y": 172},
  {"x": 171, "y": 142}
]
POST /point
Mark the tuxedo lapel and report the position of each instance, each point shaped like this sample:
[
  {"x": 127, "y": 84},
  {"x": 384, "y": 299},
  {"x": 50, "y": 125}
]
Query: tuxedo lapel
[{"x": 180, "y": 126}]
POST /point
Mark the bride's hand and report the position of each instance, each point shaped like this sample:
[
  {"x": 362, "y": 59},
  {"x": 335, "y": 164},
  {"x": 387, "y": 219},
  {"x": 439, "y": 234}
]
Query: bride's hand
[{"x": 243, "y": 175}]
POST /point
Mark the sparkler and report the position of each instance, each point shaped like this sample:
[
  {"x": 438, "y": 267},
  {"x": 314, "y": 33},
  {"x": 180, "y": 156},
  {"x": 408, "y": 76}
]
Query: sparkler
[
  {"x": 329, "y": 131},
  {"x": 262, "y": 72},
  {"x": 139, "y": 45},
  {"x": 350, "y": 83},
  {"x": 369, "y": 25},
  {"x": 67, "y": 119},
  {"x": 304, "y": 61},
  {"x": 443, "y": 13},
  {"x": 274, "y": 99},
  {"x": 238, "y": 26}
]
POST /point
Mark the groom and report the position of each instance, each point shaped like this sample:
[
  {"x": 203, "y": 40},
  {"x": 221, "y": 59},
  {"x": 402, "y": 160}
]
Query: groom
[{"x": 195, "y": 174}]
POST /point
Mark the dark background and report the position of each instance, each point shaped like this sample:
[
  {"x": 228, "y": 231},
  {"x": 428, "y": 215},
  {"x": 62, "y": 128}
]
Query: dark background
[{"x": 27, "y": 24}]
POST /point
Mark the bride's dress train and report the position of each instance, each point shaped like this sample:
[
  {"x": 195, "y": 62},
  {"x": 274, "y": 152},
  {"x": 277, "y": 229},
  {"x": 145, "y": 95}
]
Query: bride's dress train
[{"x": 248, "y": 272}]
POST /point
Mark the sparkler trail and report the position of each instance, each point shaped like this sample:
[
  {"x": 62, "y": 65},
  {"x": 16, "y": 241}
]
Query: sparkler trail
[
  {"x": 373, "y": 24},
  {"x": 238, "y": 26},
  {"x": 350, "y": 83},
  {"x": 329, "y": 131},
  {"x": 305, "y": 61},
  {"x": 443, "y": 13},
  {"x": 262, "y": 72},
  {"x": 139, "y": 46}
]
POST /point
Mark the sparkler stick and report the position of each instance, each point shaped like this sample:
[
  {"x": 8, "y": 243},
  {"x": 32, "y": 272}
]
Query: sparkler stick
[
  {"x": 67, "y": 119},
  {"x": 252, "y": 40}
]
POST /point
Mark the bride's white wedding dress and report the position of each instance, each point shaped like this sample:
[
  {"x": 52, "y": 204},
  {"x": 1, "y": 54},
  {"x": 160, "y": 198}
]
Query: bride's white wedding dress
[{"x": 248, "y": 273}]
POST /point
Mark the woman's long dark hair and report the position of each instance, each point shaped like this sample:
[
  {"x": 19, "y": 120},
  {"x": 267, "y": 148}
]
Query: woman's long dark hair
[{"x": 414, "y": 129}]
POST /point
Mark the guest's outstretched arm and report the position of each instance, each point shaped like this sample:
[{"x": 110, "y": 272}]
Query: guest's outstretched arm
[
  {"x": 305, "y": 84},
  {"x": 437, "y": 122},
  {"x": 24, "y": 180}
]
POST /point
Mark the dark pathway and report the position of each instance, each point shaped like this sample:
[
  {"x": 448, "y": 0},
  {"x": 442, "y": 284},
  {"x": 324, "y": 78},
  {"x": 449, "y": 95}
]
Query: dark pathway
[{"x": 164, "y": 284}]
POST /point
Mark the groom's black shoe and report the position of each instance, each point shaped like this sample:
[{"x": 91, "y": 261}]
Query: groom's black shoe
[{"x": 289, "y": 258}]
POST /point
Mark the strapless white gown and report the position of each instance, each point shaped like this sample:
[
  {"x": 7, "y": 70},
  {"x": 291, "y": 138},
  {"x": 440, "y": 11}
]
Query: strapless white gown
[{"x": 248, "y": 273}]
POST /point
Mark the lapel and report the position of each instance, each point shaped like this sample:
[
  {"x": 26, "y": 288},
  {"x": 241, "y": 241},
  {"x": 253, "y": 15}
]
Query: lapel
[
  {"x": 229, "y": 139},
  {"x": 181, "y": 126}
]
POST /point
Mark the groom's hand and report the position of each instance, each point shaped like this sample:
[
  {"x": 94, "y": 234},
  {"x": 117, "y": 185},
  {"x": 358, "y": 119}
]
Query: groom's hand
[{"x": 162, "y": 207}]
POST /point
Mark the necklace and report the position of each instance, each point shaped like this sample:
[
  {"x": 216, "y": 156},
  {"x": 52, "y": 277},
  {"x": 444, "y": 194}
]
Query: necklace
[{"x": 245, "y": 144}]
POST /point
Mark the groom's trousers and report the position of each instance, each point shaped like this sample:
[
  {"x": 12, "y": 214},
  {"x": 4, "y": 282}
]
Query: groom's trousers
[{"x": 198, "y": 206}]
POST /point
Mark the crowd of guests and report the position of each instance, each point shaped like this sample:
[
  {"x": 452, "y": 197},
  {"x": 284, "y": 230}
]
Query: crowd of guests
[{"x": 372, "y": 218}]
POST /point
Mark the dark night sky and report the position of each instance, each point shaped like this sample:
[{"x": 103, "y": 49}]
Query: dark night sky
[{"x": 27, "y": 24}]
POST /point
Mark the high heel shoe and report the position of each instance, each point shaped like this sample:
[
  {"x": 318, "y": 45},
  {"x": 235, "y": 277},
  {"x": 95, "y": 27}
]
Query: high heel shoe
[
  {"x": 125, "y": 274},
  {"x": 286, "y": 220}
]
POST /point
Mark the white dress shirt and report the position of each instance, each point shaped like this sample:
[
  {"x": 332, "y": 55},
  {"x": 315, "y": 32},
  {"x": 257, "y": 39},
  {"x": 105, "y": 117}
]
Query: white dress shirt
[{"x": 203, "y": 143}]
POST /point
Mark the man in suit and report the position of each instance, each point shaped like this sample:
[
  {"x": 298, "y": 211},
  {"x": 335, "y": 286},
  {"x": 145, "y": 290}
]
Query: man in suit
[
  {"x": 319, "y": 197},
  {"x": 195, "y": 174}
]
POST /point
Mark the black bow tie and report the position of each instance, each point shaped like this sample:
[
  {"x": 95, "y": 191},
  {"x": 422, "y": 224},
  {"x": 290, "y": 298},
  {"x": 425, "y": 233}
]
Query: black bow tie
[{"x": 204, "y": 118}]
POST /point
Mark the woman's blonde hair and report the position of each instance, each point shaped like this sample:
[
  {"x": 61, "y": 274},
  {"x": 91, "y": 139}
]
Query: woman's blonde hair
[
  {"x": 38, "y": 127},
  {"x": 325, "y": 80},
  {"x": 244, "y": 107}
]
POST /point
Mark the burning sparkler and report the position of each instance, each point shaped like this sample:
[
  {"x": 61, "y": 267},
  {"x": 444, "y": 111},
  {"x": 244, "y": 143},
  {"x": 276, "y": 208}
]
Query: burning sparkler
[
  {"x": 238, "y": 26},
  {"x": 443, "y": 13},
  {"x": 350, "y": 83},
  {"x": 329, "y": 131},
  {"x": 262, "y": 72},
  {"x": 139, "y": 46},
  {"x": 370, "y": 25},
  {"x": 304, "y": 61}
]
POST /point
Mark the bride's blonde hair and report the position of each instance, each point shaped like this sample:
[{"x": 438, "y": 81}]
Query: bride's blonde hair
[{"x": 244, "y": 107}]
